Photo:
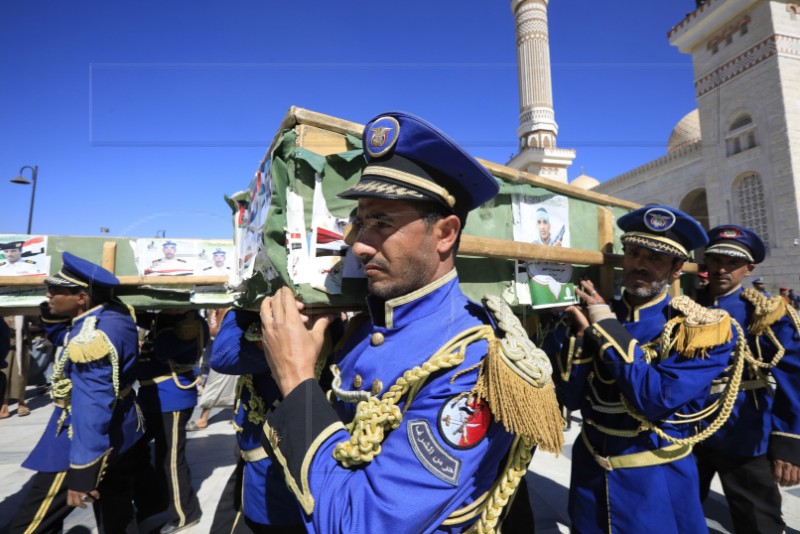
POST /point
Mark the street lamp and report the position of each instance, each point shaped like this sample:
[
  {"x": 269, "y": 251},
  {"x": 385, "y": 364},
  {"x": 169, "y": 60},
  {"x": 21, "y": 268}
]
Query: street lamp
[{"x": 24, "y": 181}]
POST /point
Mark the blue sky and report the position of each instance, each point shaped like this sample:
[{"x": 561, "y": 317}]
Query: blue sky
[{"x": 142, "y": 115}]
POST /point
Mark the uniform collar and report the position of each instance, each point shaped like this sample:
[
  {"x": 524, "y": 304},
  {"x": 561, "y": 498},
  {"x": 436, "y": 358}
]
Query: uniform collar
[
  {"x": 633, "y": 312},
  {"x": 735, "y": 291},
  {"x": 399, "y": 311}
]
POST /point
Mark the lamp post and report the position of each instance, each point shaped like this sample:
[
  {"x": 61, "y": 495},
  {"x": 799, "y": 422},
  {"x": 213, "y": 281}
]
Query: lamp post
[{"x": 24, "y": 181}]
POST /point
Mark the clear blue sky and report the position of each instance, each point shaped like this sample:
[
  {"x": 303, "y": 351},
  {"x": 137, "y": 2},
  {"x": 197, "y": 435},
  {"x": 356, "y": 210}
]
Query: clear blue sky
[{"x": 142, "y": 114}]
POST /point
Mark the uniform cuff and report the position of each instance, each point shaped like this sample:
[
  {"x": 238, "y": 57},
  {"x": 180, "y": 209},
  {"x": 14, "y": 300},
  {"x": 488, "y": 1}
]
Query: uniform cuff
[
  {"x": 85, "y": 478},
  {"x": 785, "y": 447},
  {"x": 611, "y": 334},
  {"x": 294, "y": 431}
]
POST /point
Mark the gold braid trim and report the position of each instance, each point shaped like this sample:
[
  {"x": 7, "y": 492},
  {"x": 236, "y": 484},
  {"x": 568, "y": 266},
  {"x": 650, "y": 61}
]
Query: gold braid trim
[
  {"x": 768, "y": 310},
  {"x": 701, "y": 329},
  {"x": 504, "y": 489},
  {"x": 89, "y": 345},
  {"x": 375, "y": 417},
  {"x": 256, "y": 408},
  {"x": 726, "y": 399},
  {"x": 515, "y": 381},
  {"x": 174, "y": 372}
]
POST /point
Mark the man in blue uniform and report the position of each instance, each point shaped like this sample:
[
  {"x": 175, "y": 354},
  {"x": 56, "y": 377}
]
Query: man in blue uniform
[
  {"x": 760, "y": 443},
  {"x": 429, "y": 409},
  {"x": 84, "y": 457},
  {"x": 256, "y": 498},
  {"x": 168, "y": 395},
  {"x": 636, "y": 373}
]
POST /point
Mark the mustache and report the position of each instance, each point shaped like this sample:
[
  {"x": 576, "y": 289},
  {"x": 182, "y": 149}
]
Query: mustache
[{"x": 377, "y": 262}]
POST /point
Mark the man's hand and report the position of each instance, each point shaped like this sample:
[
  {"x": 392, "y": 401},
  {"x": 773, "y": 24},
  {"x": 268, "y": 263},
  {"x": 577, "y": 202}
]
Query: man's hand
[
  {"x": 81, "y": 499},
  {"x": 785, "y": 473},
  {"x": 291, "y": 341}
]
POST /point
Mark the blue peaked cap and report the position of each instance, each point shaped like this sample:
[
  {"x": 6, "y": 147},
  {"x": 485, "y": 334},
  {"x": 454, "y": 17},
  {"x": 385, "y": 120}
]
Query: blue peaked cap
[
  {"x": 736, "y": 241},
  {"x": 663, "y": 229},
  {"x": 77, "y": 272},
  {"x": 410, "y": 159}
]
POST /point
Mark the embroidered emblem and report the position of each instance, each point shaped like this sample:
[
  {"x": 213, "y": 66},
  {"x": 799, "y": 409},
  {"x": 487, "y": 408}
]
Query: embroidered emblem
[
  {"x": 659, "y": 220},
  {"x": 382, "y": 136},
  {"x": 730, "y": 233},
  {"x": 464, "y": 421},
  {"x": 431, "y": 454}
]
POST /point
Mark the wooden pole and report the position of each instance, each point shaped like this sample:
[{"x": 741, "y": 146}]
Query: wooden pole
[
  {"x": 109, "y": 256},
  {"x": 605, "y": 243}
]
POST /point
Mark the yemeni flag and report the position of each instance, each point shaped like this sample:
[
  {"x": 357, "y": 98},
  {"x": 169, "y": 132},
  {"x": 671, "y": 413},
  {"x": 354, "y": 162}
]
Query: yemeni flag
[
  {"x": 32, "y": 247},
  {"x": 330, "y": 243}
]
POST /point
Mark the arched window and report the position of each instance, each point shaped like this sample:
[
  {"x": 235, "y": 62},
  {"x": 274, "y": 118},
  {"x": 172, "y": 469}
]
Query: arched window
[
  {"x": 751, "y": 204},
  {"x": 741, "y": 135}
]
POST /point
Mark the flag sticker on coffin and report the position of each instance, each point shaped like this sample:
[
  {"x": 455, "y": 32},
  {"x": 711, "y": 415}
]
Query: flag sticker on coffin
[
  {"x": 328, "y": 246},
  {"x": 23, "y": 255}
]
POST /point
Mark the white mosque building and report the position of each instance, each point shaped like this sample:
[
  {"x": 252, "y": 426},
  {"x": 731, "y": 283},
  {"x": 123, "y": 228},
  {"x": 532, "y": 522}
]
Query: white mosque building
[{"x": 735, "y": 158}]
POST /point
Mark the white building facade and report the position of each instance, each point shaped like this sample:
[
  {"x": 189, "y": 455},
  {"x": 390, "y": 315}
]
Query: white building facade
[{"x": 736, "y": 157}]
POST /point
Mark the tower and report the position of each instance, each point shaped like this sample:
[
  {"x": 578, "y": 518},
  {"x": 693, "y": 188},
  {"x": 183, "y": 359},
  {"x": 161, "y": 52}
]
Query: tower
[{"x": 537, "y": 130}]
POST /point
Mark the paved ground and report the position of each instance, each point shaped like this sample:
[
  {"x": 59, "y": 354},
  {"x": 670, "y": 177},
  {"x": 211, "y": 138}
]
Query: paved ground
[{"x": 210, "y": 453}]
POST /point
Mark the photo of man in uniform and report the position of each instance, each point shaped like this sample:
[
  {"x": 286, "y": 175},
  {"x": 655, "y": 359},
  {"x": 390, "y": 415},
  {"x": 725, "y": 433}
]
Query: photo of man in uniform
[
  {"x": 13, "y": 264},
  {"x": 169, "y": 264},
  {"x": 218, "y": 268}
]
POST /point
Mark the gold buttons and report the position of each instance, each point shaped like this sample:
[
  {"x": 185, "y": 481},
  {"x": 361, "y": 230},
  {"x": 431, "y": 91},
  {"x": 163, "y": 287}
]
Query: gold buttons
[
  {"x": 377, "y": 386},
  {"x": 377, "y": 339},
  {"x": 357, "y": 381}
]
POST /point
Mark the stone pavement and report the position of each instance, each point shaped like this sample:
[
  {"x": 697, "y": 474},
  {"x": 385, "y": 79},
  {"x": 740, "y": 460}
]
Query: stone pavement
[{"x": 210, "y": 454}]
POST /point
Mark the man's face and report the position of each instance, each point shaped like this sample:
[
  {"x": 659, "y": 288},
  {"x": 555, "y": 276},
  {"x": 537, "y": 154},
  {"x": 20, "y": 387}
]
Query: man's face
[
  {"x": 12, "y": 254},
  {"x": 396, "y": 247},
  {"x": 169, "y": 252},
  {"x": 726, "y": 272},
  {"x": 647, "y": 272},
  {"x": 543, "y": 225},
  {"x": 219, "y": 260},
  {"x": 62, "y": 301}
]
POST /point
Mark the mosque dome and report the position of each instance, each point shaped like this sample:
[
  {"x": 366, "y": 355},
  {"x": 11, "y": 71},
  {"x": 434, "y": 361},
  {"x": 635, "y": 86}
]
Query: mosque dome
[
  {"x": 686, "y": 132},
  {"x": 585, "y": 181}
]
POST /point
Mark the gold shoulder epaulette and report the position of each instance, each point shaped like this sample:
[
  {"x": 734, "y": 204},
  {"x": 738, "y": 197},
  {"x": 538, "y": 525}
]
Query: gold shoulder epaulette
[
  {"x": 515, "y": 381},
  {"x": 701, "y": 328},
  {"x": 90, "y": 344},
  {"x": 768, "y": 310}
]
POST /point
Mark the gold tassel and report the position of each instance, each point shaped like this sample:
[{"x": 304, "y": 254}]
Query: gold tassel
[
  {"x": 523, "y": 408},
  {"x": 694, "y": 339},
  {"x": 90, "y": 350},
  {"x": 701, "y": 329}
]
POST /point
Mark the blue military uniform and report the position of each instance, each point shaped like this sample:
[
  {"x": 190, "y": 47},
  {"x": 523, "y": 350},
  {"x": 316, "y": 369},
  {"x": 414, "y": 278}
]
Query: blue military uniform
[
  {"x": 265, "y": 498},
  {"x": 417, "y": 431},
  {"x": 95, "y": 422},
  {"x": 765, "y": 422},
  {"x": 632, "y": 469},
  {"x": 168, "y": 395}
]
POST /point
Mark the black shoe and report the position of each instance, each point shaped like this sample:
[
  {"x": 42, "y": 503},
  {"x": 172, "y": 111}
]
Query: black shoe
[{"x": 174, "y": 526}]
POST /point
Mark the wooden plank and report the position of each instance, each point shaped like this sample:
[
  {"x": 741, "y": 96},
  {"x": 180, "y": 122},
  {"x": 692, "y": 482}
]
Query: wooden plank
[
  {"x": 487, "y": 247},
  {"x": 128, "y": 280},
  {"x": 521, "y": 177},
  {"x": 319, "y": 141},
  {"x": 605, "y": 243},
  {"x": 109, "y": 260}
]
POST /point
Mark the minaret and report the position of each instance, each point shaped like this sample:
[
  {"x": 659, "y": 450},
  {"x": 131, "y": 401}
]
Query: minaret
[{"x": 537, "y": 124}]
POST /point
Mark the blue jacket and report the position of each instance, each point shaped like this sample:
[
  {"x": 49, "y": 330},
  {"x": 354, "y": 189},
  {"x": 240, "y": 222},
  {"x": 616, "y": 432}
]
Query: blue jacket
[
  {"x": 763, "y": 420},
  {"x": 266, "y": 499},
  {"x": 445, "y": 453},
  {"x": 609, "y": 365},
  {"x": 93, "y": 420},
  {"x": 168, "y": 357}
]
